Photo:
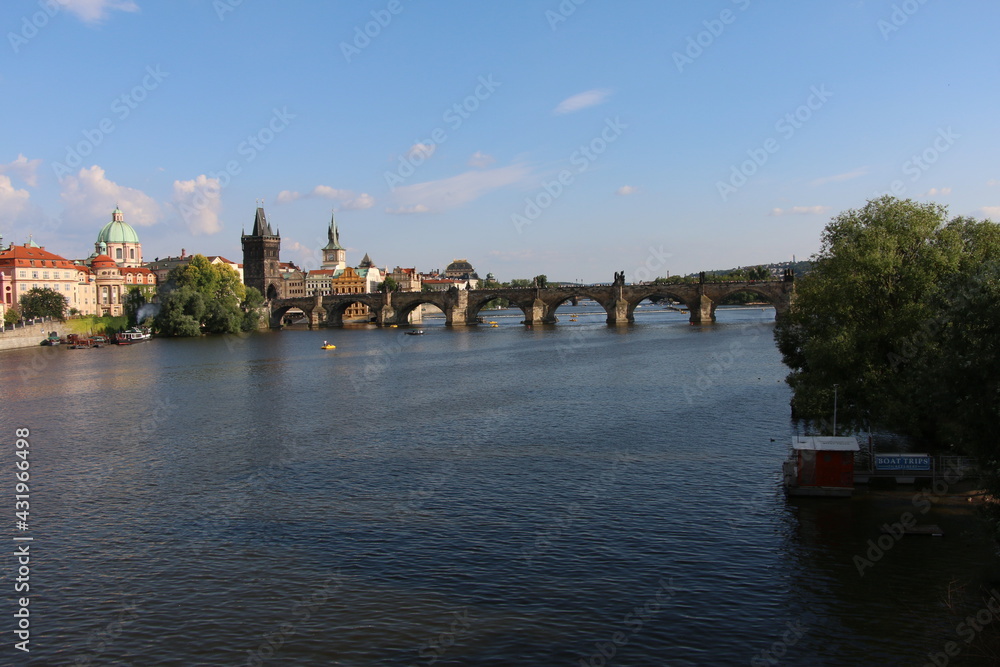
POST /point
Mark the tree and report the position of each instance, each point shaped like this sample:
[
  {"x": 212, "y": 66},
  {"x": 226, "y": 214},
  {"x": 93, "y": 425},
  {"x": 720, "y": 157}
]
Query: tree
[
  {"x": 43, "y": 302},
  {"x": 388, "y": 285},
  {"x": 520, "y": 282},
  {"x": 868, "y": 317},
  {"x": 541, "y": 281},
  {"x": 252, "y": 302},
  {"x": 12, "y": 315},
  {"x": 132, "y": 304},
  {"x": 181, "y": 312},
  {"x": 203, "y": 297}
]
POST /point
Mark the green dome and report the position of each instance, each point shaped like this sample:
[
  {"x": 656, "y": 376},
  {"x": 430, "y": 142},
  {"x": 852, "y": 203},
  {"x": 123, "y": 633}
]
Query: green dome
[{"x": 117, "y": 231}]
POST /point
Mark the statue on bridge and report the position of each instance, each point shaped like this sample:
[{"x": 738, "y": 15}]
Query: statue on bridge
[{"x": 619, "y": 279}]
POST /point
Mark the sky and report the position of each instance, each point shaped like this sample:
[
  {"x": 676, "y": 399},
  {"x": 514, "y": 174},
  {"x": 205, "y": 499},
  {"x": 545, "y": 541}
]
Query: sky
[{"x": 571, "y": 138}]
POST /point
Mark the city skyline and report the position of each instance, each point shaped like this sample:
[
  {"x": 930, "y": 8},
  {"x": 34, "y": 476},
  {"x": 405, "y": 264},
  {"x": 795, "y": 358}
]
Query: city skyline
[{"x": 567, "y": 138}]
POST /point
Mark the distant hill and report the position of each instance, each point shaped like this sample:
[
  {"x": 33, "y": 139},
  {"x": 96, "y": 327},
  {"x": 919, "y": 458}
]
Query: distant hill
[{"x": 777, "y": 269}]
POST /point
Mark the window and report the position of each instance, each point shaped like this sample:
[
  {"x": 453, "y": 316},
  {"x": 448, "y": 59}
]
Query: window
[
  {"x": 118, "y": 253},
  {"x": 45, "y": 275},
  {"x": 34, "y": 274},
  {"x": 22, "y": 274},
  {"x": 131, "y": 253}
]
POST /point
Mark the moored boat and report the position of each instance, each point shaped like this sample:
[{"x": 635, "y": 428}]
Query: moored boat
[{"x": 133, "y": 335}]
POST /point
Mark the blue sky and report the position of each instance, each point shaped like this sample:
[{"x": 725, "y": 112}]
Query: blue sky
[{"x": 573, "y": 138}]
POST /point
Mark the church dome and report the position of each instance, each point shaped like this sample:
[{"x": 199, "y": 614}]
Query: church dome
[
  {"x": 103, "y": 262},
  {"x": 461, "y": 265},
  {"x": 117, "y": 231}
]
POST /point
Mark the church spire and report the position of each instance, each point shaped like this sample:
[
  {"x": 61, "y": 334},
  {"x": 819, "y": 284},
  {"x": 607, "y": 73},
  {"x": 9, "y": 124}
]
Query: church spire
[{"x": 333, "y": 235}]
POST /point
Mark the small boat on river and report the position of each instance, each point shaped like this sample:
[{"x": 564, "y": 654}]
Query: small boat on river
[{"x": 133, "y": 335}]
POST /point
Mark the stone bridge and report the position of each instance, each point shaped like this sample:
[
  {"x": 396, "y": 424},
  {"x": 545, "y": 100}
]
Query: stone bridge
[{"x": 461, "y": 307}]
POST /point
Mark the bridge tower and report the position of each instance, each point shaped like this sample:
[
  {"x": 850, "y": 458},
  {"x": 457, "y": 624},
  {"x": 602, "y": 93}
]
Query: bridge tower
[
  {"x": 334, "y": 254},
  {"x": 260, "y": 258}
]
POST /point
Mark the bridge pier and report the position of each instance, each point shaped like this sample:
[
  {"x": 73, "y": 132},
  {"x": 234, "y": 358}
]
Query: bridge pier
[
  {"x": 316, "y": 314},
  {"x": 538, "y": 313},
  {"x": 618, "y": 311},
  {"x": 702, "y": 310}
]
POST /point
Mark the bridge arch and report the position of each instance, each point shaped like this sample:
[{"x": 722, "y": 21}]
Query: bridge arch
[
  {"x": 658, "y": 292},
  {"x": 278, "y": 313},
  {"x": 553, "y": 305},
  {"x": 336, "y": 308}
]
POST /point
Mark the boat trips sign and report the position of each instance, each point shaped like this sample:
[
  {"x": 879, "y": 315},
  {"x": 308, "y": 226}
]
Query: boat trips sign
[{"x": 902, "y": 462}]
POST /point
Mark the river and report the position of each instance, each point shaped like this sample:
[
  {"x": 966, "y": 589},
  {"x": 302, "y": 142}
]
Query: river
[{"x": 569, "y": 494}]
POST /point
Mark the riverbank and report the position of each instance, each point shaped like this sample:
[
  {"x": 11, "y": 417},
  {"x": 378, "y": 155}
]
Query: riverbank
[{"x": 30, "y": 335}]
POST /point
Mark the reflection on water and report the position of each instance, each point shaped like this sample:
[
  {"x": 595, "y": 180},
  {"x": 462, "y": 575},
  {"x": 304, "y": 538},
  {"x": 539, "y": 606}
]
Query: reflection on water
[{"x": 490, "y": 496}]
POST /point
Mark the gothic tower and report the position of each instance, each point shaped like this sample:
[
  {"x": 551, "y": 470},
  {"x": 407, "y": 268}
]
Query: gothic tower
[
  {"x": 334, "y": 255},
  {"x": 260, "y": 258}
]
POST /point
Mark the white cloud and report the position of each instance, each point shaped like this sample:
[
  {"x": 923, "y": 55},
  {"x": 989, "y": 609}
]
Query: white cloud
[
  {"x": 23, "y": 168},
  {"x": 408, "y": 210},
  {"x": 800, "y": 210},
  {"x": 89, "y": 198},
  {"x": 993, "y": 182},
  {"x": 199, "y": 202},
  {"x": 421, "y": 150},
  {"x": 626, "y": 190},
  {"x": 12, "y": 200},
  {"x": 837, "y": 178},
  {"x": 481, "y": 159},
  {"x": 304, "y": 256},
  {"x": 95, "y": 11},
  {"x": 581, "y": 101},
  {"x": 362, "y": 201},
  {"x": 934, "y": 192},
  {"x": 457, "y": 190},
  {"x": 348, "y": 200},
  {"x": 991, "y": 212}
]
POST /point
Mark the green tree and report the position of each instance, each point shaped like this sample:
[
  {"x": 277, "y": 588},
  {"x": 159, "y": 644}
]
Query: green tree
[
  {"x": 541, "y": 280},
  {"x": 520, "y": 282},
  {"x": 876, "y": 280},
  {"x": 133, "y": 302},
  {"x": 201, "y": 297},
  {"x": 181, "y": 312},
  {"x": 252, "y": 302},
  {"x": 12, "y": 315},
  {"x": 43, "y": 302},
  {"x": 388, "y": 285}
]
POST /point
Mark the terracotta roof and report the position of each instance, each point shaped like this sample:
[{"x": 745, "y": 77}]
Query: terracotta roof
[{"x": 24, "y": 255}]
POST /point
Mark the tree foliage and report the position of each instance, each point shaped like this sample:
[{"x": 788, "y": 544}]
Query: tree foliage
[
  {"x": 43, "y": 302},
  {"x": 388, "y": 285},
  {"x": 895, "y": 312},
  {"x": 201, "y": 297}
]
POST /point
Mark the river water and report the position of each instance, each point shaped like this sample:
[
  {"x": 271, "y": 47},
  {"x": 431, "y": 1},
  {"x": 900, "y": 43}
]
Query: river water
[{"x": 569, "y": 494}]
